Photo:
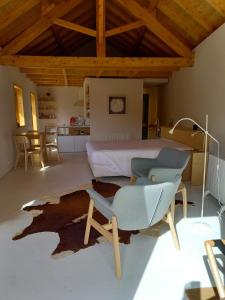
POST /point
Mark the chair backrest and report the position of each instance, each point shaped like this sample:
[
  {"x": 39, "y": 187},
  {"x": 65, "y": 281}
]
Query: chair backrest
[
  {"x": 173, "y": 158},
  {"x": 21, "y": 143},
  {"x": 51, "y": 134},
  {"x": 138, "y": 207}
]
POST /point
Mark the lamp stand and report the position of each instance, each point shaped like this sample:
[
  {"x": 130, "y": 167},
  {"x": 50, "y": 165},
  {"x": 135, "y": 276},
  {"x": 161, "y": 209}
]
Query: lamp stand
[{"x": 201, "y": 225}]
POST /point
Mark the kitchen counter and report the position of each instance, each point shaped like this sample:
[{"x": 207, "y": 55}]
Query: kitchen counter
[{"x": 73, "y": 130}]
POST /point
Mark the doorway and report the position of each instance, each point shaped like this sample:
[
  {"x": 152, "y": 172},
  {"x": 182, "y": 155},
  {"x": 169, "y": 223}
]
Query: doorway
[
  {"x": 145, "y": 117},
  {"x": 33, "y": 111}
]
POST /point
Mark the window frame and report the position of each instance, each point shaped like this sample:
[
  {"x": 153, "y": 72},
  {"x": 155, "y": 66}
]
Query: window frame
[{"x": 19, "y": 106}]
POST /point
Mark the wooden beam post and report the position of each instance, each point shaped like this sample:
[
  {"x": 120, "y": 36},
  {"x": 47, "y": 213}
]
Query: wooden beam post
[{"x": 100, "y": 26}]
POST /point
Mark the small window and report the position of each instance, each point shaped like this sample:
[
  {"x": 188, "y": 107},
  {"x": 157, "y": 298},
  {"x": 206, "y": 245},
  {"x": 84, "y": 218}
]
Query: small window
[
  {"x": 33, "y": 111},
  {"x": 20, "y": 118}
]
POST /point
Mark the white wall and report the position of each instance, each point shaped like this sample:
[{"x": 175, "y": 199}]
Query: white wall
[
  {"x": 103, "y": 124},
  {"x": 8, "y": 77},
  {"x": 66, "y": 99},
  {"x": 195, "y": 92}
]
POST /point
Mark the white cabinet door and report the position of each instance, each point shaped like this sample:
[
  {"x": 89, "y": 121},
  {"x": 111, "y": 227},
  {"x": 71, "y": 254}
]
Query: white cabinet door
[
  {"x": 80, "y": 142},
  {"x": 66, "y": 143}
]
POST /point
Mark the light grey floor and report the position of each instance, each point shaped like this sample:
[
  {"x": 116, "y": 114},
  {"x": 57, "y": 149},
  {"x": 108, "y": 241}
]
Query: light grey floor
[{"x": 152, "y": 268}]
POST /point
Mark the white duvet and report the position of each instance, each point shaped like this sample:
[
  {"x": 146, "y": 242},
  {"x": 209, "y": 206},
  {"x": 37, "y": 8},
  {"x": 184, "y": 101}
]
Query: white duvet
[{"x": 113, "y": 158}]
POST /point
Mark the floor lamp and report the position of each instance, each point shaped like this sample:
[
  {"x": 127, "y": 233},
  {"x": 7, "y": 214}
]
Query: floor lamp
[{"x": 207, "y": 134}]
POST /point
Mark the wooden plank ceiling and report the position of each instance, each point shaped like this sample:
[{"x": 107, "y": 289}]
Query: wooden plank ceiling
[{"x": 60, "y": 42}]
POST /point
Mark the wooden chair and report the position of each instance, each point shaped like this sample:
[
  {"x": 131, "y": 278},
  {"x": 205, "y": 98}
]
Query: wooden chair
[
  {"x": 134, "y": 207},
  {"x": 23, "y": 150},
  {"x": 51, "y": 141},
  {"x": 213, "y": 264}
]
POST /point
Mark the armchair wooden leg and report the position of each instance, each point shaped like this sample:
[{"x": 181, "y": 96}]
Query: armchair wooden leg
[
  {"x": 88, "y": 225},
  {"x": 133, "y": 179},
  {"x": 184, "y": 196},
  {"x": 173, "y": 230},
  {"x": 172, "y": 209},
  {"x": 182, "y": 189},
  {"x": 214, "y": 268},
  {"x": 116, "y": 246}
]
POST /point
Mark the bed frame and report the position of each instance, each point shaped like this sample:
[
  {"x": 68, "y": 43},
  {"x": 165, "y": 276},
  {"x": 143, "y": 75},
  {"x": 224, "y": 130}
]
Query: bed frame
[{"x": 194, "y": 139}]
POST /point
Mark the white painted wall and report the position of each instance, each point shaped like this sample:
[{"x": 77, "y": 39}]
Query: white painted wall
[
  {"x": 69, "y": 102},
  {"x": 8, "y": 77},
  {"x": 103, "y": 124},
  {"x": 195, "y": 92}
]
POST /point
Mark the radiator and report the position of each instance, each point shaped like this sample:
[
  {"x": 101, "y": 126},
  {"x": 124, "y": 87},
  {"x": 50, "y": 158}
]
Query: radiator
[{"x": 212, "y": 182}]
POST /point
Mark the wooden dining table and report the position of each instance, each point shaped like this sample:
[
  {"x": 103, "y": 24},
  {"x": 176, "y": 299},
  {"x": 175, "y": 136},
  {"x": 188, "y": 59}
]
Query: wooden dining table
[
  {"x": 37, "y": 139},
  {"x": 32, "y": 136}
]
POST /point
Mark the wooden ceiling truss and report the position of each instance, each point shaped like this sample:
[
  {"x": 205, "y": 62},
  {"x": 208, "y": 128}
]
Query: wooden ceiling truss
[{"x": 128, "y": 38}]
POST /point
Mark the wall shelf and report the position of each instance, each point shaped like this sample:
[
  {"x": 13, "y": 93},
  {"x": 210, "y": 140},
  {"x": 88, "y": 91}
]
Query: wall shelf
[{"x": 47, "y": 107}]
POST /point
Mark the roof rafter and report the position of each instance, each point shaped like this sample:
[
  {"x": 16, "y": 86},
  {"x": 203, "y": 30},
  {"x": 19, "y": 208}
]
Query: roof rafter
[
  {"x": 124, "y": 28},
  {"x": 18, "y": 11},
  {"x": 151, "y": 8},
  {"x": 40, "y": 26},
  {"x": 218, "y": 5},
  {"x": 193, "y": 9},
  {"x": 75, "y": 27},
  {"x": 156, "y": 27}
]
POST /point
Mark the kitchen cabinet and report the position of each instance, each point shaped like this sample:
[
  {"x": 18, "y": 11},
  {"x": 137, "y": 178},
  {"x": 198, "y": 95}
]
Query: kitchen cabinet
[{"x": 72, "y": 143}]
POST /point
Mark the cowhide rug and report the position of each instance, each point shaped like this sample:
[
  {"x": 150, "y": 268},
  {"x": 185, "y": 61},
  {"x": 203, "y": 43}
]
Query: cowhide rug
[{"x": 68, "y": 219}]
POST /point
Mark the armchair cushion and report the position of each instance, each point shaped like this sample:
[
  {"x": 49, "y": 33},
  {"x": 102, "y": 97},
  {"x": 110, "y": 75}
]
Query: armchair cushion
[
  {"x": 163, "y": 174},
  {"x": 104, "y": 205},
  {"x": 140, "y": 166}
]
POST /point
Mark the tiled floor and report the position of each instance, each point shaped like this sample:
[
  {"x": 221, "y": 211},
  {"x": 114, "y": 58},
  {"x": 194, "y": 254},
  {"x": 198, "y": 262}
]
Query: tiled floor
[{"x": 152, "y": 268}]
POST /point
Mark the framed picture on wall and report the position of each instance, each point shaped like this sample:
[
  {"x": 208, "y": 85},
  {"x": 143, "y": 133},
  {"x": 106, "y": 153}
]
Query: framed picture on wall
[{"x": 117, "y": 104}]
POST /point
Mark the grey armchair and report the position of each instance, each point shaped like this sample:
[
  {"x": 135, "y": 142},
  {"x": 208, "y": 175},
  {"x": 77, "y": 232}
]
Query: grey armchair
[
  {"x": 171, "y": 160},
  {"x": 169, "y": 163},
  {"x": 133, "y": 207}
]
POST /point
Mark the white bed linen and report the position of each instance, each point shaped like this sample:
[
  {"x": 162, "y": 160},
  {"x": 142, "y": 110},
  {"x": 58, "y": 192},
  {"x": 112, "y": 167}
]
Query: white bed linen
[{"x": 113, "y": 158}]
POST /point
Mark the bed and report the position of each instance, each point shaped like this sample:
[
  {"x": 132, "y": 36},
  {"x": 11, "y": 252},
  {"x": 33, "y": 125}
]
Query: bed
[{"x": 113, "y": 158}]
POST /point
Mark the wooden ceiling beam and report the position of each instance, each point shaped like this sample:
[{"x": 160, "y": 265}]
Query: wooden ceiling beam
[
  {"x": 19, "y": 10},
  {"x": 194, "y": 10},
  {"x": 75, "y": 27},
  {"x": 77, "y": 73},
  {"x": 100, "y": 28},
  {"x": 156, "y": 27},
  {"x": 180, "y": 19},
  {"x": 40, "y": 26},
  {"x": 3, "y": 3},
  {"x": 95, "y": 62},
  {"x": 124, "y": 28},
  {"x": 218, "y": 5},
  {"x": 151, "y": 8}
]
